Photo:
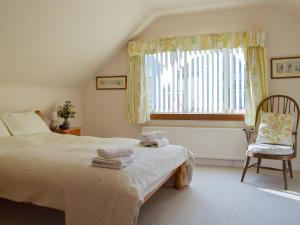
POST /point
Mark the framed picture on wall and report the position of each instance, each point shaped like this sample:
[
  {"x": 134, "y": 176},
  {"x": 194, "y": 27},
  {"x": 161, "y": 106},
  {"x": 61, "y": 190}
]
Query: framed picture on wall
[
  {"x": 111, "y": 82},
  {"x": 286, "y": 67}
]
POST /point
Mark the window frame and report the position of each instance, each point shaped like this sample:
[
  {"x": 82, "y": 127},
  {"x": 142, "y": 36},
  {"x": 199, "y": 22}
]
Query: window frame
[
  {"x": 194, "y": 116},
  {"x": 238, "y": 116}
]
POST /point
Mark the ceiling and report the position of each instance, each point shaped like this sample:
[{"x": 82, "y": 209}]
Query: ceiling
[{"x": 63, "y": 42}]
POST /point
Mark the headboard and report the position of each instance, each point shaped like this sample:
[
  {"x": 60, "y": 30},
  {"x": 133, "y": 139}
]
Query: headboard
[{"x": 39, "y": 112}]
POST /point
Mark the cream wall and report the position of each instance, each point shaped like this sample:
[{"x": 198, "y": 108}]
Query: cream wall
[
  {"x": 16, "y": 98},
  {"x": 104, "y": 112}
]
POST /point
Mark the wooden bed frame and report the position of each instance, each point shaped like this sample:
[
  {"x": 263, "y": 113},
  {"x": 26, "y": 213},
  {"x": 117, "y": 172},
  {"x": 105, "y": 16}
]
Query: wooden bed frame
[
  {"x": 178, "y": 173},
  {"x": 179, "y": 181}
]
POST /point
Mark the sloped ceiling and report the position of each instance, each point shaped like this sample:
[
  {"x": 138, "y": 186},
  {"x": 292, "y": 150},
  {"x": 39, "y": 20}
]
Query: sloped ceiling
[{"x": 63, "y": 42}]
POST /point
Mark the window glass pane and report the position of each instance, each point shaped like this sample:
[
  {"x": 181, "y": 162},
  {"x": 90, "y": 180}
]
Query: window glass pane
[{"x": 210, "y": 81}]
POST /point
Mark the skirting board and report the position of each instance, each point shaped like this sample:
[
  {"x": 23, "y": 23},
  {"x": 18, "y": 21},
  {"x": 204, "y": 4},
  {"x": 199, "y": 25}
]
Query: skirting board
[{"x": 239, "y": 163}]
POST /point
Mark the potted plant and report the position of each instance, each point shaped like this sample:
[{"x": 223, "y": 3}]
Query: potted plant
[{"x": 66, "y": 112}]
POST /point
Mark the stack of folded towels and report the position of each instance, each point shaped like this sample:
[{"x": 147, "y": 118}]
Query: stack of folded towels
[
  {"x": 113, "y": 158},
  {"x": 153, "y": 139}
]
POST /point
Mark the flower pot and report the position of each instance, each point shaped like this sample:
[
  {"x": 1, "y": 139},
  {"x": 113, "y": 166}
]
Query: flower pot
[{"x": 65, "y": 125}]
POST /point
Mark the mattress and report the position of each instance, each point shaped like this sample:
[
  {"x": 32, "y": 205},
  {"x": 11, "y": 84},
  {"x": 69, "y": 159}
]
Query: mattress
[{"x": 37, "y": 168}]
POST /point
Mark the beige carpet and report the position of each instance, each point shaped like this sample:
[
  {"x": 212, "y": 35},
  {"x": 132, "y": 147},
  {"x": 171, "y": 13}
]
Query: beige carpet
[{"x": 216, "y": 197}]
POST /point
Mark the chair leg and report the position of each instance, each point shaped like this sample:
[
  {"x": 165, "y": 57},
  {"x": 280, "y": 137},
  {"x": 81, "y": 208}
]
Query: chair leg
[
  {"x": 290, "y": 168},
  {"x": 258, "y": 164},
  {"x": 284, "y": 173},
  {"x": 245, "y": 168}
]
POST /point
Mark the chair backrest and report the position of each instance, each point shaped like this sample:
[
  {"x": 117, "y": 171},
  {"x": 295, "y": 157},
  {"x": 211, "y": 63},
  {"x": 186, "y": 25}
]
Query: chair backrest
[{"x": 278, "y": 104}]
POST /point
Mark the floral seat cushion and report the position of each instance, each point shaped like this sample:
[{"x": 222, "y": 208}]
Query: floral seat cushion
[
  {"x": 275, "y": 129},
  {"x": 270, "y": 149}
]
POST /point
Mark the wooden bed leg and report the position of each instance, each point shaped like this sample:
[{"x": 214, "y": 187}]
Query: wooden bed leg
[{"x": 179, "y": 178}]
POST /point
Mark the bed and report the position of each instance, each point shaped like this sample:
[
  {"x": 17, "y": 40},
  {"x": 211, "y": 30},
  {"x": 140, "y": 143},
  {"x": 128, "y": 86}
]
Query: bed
[{"x": 54, "y": 170}]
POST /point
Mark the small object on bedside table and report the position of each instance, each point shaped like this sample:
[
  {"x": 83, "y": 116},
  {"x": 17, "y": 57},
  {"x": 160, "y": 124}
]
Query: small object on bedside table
[
  {"x": 54, "y": 121},
  {"x": 71, "y": 130}
]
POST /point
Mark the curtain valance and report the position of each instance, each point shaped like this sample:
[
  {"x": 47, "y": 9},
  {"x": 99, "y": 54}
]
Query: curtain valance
[{"x": 200, "y": 42}]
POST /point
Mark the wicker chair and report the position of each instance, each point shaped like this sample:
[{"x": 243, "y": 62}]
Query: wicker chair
[{"x": 278, "y": 104}]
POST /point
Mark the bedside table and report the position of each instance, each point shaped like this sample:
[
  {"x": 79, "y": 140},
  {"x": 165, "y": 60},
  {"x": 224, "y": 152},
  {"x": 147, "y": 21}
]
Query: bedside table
[{"x": 72, "y": 130}]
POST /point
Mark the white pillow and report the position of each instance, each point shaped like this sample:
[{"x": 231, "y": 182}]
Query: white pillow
[
  {"x": 3, "y": 130},
  {"x": 24, "y": 123}
]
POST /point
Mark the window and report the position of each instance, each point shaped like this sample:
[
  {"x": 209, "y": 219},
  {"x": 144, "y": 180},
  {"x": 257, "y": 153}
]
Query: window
[{"x": 197, "y": 82}]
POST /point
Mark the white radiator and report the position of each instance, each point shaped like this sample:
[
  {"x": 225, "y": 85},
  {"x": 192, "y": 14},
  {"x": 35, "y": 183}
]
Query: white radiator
[{"x": 209, "y": 143}]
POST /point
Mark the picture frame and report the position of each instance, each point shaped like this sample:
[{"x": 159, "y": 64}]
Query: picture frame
[
  {"x": 111, "y": 82},
  {"x": 285, "y": 67}
]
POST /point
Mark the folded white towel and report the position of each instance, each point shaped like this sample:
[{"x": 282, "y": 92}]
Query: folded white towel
[
  {"x": 155, "y": 142},
  {"x": 110, "y": 153},
  {"x": 117, "y": 163},
  {"x": 152, "y": 135}
]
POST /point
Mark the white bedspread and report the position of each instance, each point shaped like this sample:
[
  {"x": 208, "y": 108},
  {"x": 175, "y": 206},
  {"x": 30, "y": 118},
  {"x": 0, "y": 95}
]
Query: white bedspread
[{"x": 54, "y": 170}]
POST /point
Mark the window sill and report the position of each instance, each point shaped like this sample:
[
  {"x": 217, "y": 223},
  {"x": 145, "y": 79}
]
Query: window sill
[{"x": 171, "y": 116}]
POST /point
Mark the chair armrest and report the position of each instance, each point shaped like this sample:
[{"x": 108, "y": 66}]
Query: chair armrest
[
  {"x": 251, "y": 130},
  {"x": 249, "y": 134},
  {"x": 294, "y": 134}
]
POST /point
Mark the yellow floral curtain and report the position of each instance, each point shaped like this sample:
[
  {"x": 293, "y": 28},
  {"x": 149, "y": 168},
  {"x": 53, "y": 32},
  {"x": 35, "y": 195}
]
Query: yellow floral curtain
[
  {"x": 137, "y": 91},
  {"x": 256, "y": 81},
  {"x": 252, "y": 41}
]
